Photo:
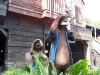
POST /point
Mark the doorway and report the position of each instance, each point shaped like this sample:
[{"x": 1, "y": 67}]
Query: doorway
[
  {"x": 77, "y": 51},
  {"x": 47, "y": 45},
  {"x": 3, "y": 39}
]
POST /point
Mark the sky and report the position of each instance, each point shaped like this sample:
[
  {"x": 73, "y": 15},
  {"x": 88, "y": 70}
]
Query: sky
[{"x": 92, "y": 9}]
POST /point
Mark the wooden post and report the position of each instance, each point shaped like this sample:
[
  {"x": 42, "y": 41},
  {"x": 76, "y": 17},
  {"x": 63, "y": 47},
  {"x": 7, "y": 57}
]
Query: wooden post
[{"x": 95, "y": 32}]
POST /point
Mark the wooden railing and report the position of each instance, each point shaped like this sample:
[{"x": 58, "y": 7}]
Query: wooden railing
[
  {"x": 39, "y": 8},
  {"x": 96, "y": 45},
  {"x": 57, "y": 6}
]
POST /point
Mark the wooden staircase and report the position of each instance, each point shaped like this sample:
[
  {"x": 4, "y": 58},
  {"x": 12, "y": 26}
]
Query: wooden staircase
[{"x": 96, "y": 45}]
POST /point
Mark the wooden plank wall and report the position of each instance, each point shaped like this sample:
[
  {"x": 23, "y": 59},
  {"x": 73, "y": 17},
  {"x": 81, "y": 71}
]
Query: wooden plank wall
[
  {"x": 77, "y": 51},
  {"x": 28, "y": 4},
  {"x": 26, "y": 7},
  {"x": 81, "y": 32},
  {"x": 21, "y": 34}
]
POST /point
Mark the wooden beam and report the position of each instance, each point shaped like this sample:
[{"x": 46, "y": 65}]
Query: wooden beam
[{"x": 4, "y": 32}]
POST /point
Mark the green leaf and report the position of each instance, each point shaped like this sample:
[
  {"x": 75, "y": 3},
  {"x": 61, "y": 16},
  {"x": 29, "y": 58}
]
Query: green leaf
[{"x": 78, "y": 68}]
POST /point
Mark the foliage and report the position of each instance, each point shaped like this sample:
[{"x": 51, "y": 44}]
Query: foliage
[
  {"x": 27, "y": 69},
  {"x": 13, "y": 71},
  {"x": 97, "y": 24},
  {"x": 91, "y": 72},
  {"x": 94, "y": 72},
  {"x": 89, "y": 21},
  {"x": 79, "y": 68}
]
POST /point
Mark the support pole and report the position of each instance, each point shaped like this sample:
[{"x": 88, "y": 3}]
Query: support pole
[
  {"x": 50, "y": 2},
  {"x": 95, "y": 32}
]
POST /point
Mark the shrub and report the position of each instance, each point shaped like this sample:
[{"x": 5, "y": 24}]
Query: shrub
[
  {"x": 94, "y": 72},
  {"x": 79, "y": 68},
  {"x": 13, "y": 71},
  {"x": 27, "y": 69}
]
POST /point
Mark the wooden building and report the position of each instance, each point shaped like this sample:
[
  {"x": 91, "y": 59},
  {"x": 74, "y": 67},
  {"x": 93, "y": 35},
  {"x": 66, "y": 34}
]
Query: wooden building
[
  {"x": 3, "y": 35},
  {"x": 95, "y": 48},
  {"x": 26, "y": 20}
]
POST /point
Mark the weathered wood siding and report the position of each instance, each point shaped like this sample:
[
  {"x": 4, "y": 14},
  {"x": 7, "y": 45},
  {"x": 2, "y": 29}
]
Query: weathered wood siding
[
  {"x": 81, "y": 32},
  {"x": 27, "y": 7},
  {"x": 77, "y": 51},
  {"x": 21, "y": 34}
]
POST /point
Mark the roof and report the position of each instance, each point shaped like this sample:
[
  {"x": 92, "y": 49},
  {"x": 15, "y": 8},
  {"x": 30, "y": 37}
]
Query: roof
[{"x": 92, "y": 26}]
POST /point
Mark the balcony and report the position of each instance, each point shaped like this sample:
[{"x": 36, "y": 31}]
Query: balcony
[
  {"x": 26, "y": 7},
  {"x": 41, "y": 10},
  {"x": 37, "y": 8},
  {"x": 3, "y": 11},
  {"x": 53, "y": 7},
  {"x": 81, "y": 32}
]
